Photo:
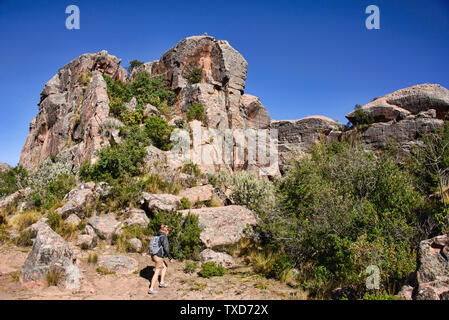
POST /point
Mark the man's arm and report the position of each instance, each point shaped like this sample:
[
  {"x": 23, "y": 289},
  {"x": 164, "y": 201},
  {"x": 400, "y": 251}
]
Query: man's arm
[{"x": 166, "y": 247}]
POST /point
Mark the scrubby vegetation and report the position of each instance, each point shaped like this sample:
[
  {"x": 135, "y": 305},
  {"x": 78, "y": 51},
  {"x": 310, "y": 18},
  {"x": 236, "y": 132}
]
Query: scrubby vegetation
[
  {"x": 12, "y": 180},
  {"x": 184, "y": 237},
  {"x": 211, "y": 269},
  {"x": 195, "y": 112}
]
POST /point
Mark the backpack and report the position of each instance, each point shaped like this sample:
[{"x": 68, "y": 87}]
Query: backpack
[{"x": 155, "y": 245}]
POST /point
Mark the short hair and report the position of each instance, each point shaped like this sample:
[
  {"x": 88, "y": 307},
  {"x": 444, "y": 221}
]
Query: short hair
[{"x": 164, "y": 227}]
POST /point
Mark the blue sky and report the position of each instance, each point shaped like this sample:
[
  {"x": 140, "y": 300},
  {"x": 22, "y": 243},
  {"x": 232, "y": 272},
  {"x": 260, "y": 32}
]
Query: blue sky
[{"x": 304, "y": 57}]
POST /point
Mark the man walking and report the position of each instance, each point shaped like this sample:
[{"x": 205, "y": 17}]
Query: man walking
[{"x": 159, "y": 248}]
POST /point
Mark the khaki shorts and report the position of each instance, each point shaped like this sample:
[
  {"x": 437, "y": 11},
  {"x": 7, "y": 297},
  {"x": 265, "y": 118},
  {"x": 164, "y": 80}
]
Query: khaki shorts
[{"x": 160, "y": 263}]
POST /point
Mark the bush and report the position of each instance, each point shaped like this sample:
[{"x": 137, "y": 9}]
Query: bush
[
  {"x": 194, "y": 74},
  {"x": 184, "y": 236},
  {"x": 211, "y": 269},
  {"x": 115, "y": 163},
  {"x": 185, "y": 203},
  {"x": 195, "y": 112},
  {"x": 190, "y": 266},
  {"x": 134, "y": 64},
  {"x": 343, "y": 209},
  {"x": 159, "y": 132},
  {"x": 12, "y": 180},
  {"x": 53, "y": 192}
]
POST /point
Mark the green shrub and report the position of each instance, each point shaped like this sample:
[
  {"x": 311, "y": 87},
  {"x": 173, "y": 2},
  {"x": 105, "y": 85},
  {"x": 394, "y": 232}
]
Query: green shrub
[
  {"x": 190, "y": 266},
  {"x": 134, "y": 64},
  {"x": 380, "y": 296},
  {"x": 343, "y": 209},
  {"x": 53, "y": 192},
  {"x": 184, "y": 236},
  {"x": 194, "y": 74},
  {"x": 195, "y": 112},
  {"x": 185, "y": 203},
  {"x": 12, "y": 180},
  {"x": 124, "y": 159},
  {"x": 159, "y": 132},
  {"x": 211, "y": 269}
]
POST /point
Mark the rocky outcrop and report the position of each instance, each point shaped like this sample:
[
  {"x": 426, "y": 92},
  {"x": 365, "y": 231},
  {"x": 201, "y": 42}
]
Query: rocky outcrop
[
  {"x": 118, "y": 264},
  {"x": 199, "y": 193},
  {"x": 220, "y": 258},
  {"x": 50, "y": 253},
  {"x": 137, "y": 217},
  {"x": 431, "y": 279},
  {"x": 78, "y": 200},
  {"x": 4, "y": 167},
  {"x": 223, "y": 225},
  {"x": 135, "y": 245},
  {"x": 296, "y": 137},
  {"x": 14, "y": 197},
  {"x": 160, "y": 202},
  {"x": 73, "y": 104},
  {"x": 401, "y": 117}
]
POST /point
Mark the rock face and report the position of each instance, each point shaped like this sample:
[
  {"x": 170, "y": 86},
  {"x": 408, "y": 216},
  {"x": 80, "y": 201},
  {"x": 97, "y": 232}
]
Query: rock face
[
  {"x": 199, "y": 193},
  {"x": 72, "y": 106},
  {"x": 431, "y": 279},
  {"x": 50, "y": 253},
  {"x": 118, "y": 264},
  {"x": 222, "y": 225},
  {"x": 403, "y": 116},
  {"x": 221, "y": 258},
  {"x": 298, "y": 136}
]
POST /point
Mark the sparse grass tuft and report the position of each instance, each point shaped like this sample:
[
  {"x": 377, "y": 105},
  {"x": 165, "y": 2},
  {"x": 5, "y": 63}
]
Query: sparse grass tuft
[
  {"x": 190, "y": 266},
  {"x": 92, "y": 258},
  {"x": 54, "y": 276},
  {"x": 104, "y": 271}
]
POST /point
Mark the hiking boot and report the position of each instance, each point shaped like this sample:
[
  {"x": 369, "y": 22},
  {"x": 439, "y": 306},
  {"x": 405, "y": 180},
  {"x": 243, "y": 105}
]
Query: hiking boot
[
  {"x": 152, "y": 291},
  {"x": 163, "y": 285}
]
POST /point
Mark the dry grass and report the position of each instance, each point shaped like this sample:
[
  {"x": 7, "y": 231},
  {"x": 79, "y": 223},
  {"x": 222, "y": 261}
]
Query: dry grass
[
  {"x": 54, "y": 276},
  {"x": 25, "y": 219}
]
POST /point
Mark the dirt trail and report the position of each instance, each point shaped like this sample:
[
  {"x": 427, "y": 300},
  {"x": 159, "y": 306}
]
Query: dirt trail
[{"x": 240, "y": 283}]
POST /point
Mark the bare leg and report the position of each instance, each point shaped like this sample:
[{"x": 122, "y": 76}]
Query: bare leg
[
  {"x": 155, "y": 278},
  {"x": 163, "y": 273}
]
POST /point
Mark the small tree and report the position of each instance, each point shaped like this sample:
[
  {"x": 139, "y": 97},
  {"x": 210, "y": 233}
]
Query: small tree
[{"x": 134, "y": 64}]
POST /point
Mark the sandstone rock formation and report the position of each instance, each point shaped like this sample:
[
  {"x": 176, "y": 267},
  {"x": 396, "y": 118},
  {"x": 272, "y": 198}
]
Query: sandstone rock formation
[
  {"x": 19, "y": 194},
  {"x": 160, "y": 202},
  {"x": 222, "y": 225},
  {"x": 78, "y": 200},
  {"x": 50, "y": 253},
  {"x": 403, "y": 116},
  {"x": 104, "y": 226},
  {"x": 73, "y": 104},
  {"x": 220, "y": 258},
  {"x": 296, "y": 137},
  {"x": 431, "y": 279},
  {"x": 118, "y": 264}
]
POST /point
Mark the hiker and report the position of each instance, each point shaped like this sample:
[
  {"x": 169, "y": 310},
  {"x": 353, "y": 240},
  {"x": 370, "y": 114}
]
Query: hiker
[{"x": 159, "y": 249}]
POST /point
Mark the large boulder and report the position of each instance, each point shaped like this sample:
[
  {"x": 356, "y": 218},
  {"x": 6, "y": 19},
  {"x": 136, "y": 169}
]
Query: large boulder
[
  {"x": 223, "y": 225},
  {"x": 77, "y": 201},
  {"x": 73, "y": 104},
  {"x": 104, "y": 226},
  {"x": 401, "y": 117},
  {"x": 50, "y": 253},
  {"x": 160, "y": 202},
  {"x": 199, "y": 193},
  {"x": 118, "y": 264},
  {"x": 137, "y": 217},
  {"x": 220, "y": 258},
  {"x": 431, "y": 279}
]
